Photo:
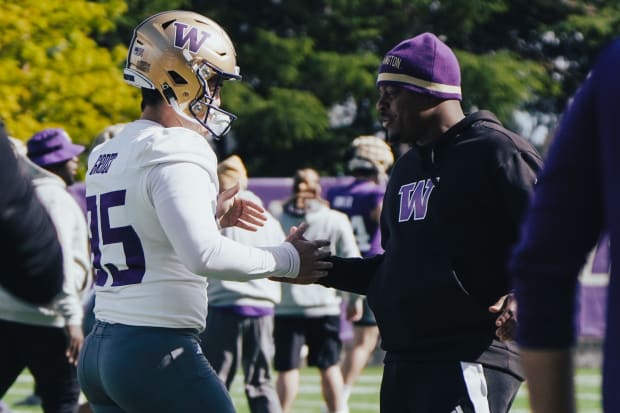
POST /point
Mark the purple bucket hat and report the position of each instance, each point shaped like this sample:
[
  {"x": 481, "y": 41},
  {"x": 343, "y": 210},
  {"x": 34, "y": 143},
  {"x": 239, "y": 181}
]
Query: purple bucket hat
[
  {"x": 423, "y": 64},
  {"x": 51, "y": 146}
]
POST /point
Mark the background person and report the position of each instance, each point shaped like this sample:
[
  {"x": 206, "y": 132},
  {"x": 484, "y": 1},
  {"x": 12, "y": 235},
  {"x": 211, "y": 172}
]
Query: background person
[
  {"x": 361, "y": 200},
  {"x": 48, "y": 339},
  {"x": 239, "y": 329},
  {"x": 310, "y": 314},
  {"x": 29, "y": 247}
]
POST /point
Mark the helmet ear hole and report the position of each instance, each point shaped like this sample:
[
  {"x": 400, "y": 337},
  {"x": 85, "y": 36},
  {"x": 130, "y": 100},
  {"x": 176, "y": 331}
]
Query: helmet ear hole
[{"x": 177, "y": 78}]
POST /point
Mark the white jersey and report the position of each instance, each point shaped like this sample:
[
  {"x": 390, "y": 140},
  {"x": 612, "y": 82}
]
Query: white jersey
[{"x": 151, "y": 197}]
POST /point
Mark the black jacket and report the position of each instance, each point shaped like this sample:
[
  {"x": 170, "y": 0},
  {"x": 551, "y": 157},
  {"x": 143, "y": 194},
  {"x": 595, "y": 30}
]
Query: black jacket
[
  {"x": 451, "y": 213},
  {"x": 29, "y": 248}
]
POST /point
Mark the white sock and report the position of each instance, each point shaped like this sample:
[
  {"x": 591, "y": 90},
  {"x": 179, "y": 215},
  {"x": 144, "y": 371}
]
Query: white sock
[{"x": 346, "y": 392}]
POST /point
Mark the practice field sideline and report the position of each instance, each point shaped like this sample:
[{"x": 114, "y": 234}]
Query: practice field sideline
[{"x": 365, "y": 397}]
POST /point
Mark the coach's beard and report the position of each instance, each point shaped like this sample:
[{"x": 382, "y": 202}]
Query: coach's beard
[{"x": 391, "y": 137}]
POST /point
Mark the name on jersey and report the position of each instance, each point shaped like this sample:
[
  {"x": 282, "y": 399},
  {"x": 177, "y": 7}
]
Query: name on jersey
[
  {"x": 414, "y": 199},
  {"x": 104, "y": 161},
  {"x": 342, "y": 202}
]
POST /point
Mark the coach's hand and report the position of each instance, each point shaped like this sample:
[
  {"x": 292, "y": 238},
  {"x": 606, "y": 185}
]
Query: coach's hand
[
  {"x": 506, "y": 322},
  {"x": 312, "y": 254}
]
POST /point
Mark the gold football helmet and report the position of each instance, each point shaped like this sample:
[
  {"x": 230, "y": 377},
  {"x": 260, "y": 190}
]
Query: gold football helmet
[
  {"x": 186, "y": 57},
  {"x": 371, "y": 154}
]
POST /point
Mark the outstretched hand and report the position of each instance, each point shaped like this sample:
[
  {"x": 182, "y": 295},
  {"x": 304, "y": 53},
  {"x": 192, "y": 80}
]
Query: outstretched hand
[
  {"x": 506, "y": 322},
  {"x": 312, "y": 266},
  {"x": 234, "y": 211}
]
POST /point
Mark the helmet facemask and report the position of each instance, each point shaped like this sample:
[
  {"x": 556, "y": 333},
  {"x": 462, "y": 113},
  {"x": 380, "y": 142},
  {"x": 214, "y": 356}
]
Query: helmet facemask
[{"x": 204, "y": 108}]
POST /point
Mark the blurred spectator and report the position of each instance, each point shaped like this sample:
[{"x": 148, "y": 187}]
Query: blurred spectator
[
  {"x": 240, "y": 319},
  {"x": 369, "y": 160},
  {"x": 310, "y": 314},
  {"x": 26, "y": 327},
  {"x": 29, "y": 249}
]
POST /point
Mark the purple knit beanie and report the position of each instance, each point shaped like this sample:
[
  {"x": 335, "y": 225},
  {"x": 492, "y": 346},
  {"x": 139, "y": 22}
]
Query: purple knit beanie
[{"x": 422, "y": 64}]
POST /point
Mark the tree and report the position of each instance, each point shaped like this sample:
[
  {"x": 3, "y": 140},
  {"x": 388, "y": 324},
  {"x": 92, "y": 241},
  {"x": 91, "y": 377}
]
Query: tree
[
  {"x": 331, "y": 49},
  {"x": 308, "y": 66},
  {"x": 54, "y": 73}
]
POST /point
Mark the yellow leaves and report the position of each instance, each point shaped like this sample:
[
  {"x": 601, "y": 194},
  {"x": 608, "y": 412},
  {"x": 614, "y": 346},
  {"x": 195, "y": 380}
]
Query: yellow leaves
[{"x": 55, "y": 73}]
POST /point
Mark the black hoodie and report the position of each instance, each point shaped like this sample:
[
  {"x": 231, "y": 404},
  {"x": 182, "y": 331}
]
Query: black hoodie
[
  {"x": 30, "y": 252},
  {"x": 451, "y": 213}
]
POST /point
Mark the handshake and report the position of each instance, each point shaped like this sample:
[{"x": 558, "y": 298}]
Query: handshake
[{"x": 312, "y": 255}]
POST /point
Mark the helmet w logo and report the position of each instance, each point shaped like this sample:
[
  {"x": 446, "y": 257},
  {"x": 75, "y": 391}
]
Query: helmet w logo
[{"x": 183, "y": 37}]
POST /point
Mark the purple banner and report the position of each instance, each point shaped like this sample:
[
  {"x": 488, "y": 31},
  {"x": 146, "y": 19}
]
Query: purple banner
[{"x": 277, "y": 190}]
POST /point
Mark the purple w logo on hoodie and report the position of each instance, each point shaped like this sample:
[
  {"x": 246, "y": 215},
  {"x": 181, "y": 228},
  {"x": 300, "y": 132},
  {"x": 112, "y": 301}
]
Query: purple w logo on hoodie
[{"x": 414, "y": 200}]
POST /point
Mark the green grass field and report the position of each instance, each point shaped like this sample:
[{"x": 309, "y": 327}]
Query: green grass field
[{"x": 365, "y": 397}]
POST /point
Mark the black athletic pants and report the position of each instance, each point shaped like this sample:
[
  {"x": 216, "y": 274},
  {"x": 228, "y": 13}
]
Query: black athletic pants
[
  {"x": 446, "y": 387},
  {"x": 42, "y": 350}
]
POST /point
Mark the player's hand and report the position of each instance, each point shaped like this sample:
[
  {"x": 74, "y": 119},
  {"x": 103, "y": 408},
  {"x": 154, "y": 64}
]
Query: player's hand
[
  {"x": 506, "y": 321},
  {"x": 311, "y": 254},
  {"x": 75, "y": 339},
  {"x": 234, "y": 211},
  {"x": 355, "y": 309}
]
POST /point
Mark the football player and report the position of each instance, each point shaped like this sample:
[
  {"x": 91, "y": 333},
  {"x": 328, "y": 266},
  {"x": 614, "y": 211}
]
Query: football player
[
  {"x": 154, "y": 217},
  {"x": 370, "y": 159}
]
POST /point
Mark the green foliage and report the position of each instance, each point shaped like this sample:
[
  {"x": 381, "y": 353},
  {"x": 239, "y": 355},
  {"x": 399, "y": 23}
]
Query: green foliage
[
  {"x": 502, "y": 78},
  {"x": 297, "y": 115},
  {"x": 61, "y": 63},
  {"x": 54, "y": 73}
]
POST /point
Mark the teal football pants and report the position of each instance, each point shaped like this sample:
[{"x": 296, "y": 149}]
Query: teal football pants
[{"x": 148, "y": 369}]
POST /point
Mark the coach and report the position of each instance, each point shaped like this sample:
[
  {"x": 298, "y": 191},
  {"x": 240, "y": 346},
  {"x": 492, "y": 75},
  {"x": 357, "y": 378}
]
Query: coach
[{"x": 451, "y": 213}]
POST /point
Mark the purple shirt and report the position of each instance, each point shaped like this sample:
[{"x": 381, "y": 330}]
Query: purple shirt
[
  {"x": 358, "y": 200},
  {"x": 78, "y": 191},
  {"x": 577, "y": 197}
]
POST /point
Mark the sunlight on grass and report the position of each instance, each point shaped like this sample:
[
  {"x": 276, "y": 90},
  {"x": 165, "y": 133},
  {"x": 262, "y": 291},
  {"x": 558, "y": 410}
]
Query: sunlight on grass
[{"x": 364, "y": 399}]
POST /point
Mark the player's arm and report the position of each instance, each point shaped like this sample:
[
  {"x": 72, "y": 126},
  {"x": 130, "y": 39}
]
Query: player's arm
[
  {"x": 187, "y": 214},
  {"x": 562, "y": 226}
]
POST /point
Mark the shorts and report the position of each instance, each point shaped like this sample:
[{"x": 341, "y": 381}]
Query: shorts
[
  {"x": 321, "y": 334},
  {"x": 368, "y": 317}
]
